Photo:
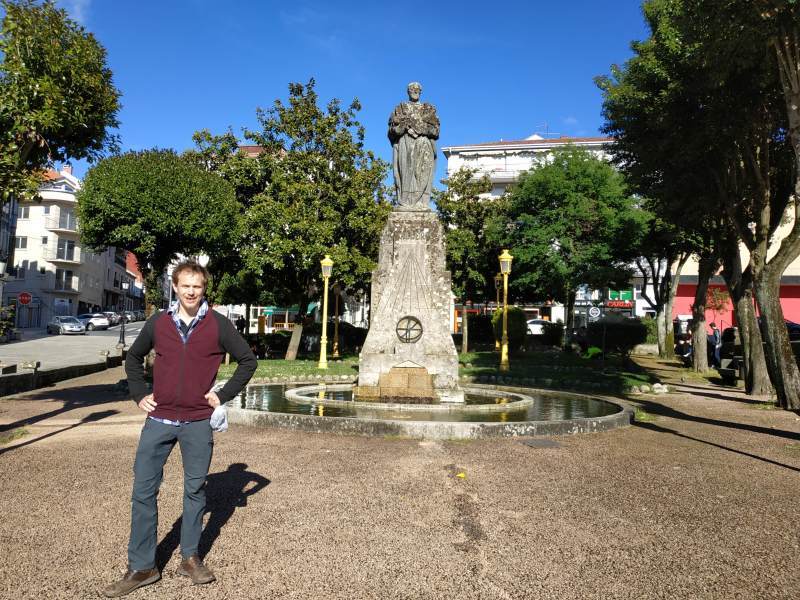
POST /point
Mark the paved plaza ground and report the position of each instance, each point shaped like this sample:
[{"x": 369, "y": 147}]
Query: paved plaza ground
[{"x": 700, "y": 502}]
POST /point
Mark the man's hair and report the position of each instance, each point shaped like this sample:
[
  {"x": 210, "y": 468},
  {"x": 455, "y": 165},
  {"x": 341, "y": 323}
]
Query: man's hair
[
  {"x": 191, "y": 267},
  {"x": 713, "y": 325}
]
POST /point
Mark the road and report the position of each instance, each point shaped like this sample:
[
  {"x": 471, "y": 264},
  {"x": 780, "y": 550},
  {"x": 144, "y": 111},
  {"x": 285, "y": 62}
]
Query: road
[{"x": 55, "y": 351}]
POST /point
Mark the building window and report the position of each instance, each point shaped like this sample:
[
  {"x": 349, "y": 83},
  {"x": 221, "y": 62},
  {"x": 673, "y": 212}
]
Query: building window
[
  {"x": 44, "y": 240},
  {"x": 24, "y": 212},
  {"x": 42, "y": 270},
  {"x": 20, "y": 270},
  {"x": 20, "y": 243},
  {"x": 66, "y": 250},
  {"x": 47, "y": 210}
]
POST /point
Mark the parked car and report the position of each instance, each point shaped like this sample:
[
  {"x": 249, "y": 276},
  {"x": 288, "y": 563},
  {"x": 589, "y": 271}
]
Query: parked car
[
  {"x": 130, "y": 315},
  {"x": 140, "y": 315},
  {"x": 113, "y": 318},
  {"x": 536, "y": 326},
  {"x": 66, "y": 326},
  {"x": 94, "y": 321}
]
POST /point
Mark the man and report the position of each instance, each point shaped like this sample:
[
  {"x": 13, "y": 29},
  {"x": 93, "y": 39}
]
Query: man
[
  {"x": 190, "y": 341},
  {"x": 715, "y": 341}
]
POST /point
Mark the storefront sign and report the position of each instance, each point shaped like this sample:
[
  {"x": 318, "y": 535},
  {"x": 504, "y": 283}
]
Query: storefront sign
[
  {"x": 24, "y": 298},
  {"x": 619, "y": 304}
]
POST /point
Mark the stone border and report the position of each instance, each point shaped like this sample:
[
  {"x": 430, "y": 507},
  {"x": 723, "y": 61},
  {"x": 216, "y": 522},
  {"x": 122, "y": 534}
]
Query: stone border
[
  {"x": 18, "y": 383},
  {"x": 294, "y": 395},
  {"x": 433, "y": 430}
]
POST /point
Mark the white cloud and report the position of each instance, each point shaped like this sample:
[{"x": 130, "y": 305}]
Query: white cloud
[
  {"x": 570, "y": 121},
  {"x": 77, "y": 9}
]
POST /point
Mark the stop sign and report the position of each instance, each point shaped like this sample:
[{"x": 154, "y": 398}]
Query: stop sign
[{"x": 24, "y": 298}]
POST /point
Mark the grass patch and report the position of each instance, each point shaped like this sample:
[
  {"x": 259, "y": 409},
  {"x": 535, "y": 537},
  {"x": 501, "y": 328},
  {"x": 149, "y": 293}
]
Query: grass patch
[
  {"x": 6, "y": 437},
  {"x": 793, "y": 448},
  {"x": 563, "y": 370},
  {"x": 763, "y": 406},
  {"x": 641, "y": 416},
  {"x": 302, "y": 367}
]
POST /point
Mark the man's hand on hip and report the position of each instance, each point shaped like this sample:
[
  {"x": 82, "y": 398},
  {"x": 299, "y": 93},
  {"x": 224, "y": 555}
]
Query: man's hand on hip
[
  {"x": 148, "y": 403},
  {"x": 213, "y": 399}
]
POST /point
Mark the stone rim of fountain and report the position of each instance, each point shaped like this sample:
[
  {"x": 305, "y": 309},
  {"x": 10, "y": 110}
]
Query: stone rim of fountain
[
  {"x": 440, "y": 430},
  {"x": 522, "y": 401}
]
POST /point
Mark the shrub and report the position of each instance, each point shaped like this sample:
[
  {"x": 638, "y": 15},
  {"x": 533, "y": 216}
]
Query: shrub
[
  {"x": 553, "y": 333},
  {"x": 480, "y": 329},
  {"x": 652, "y": 330},
  {"x": 620, "y": 335},
  {"x": 517, "y": 327}
]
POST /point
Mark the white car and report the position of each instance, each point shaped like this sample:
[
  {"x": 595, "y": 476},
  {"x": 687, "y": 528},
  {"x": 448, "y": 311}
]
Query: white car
[
  {"x": 94, "y": 321},
  {"x": 536, "y": 326}
]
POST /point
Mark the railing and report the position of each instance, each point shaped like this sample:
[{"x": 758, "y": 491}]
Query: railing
[
  {"x": 67, "y": 255},
  {"x": 72, "y": 284},
  {"x": 61, "y": 223}
]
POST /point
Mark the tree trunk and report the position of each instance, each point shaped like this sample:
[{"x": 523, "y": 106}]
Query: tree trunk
[
  {"x": 756, "y": 375},
  {"x": 662, "y": 323},
  {"x": 699, "y": 340},
  {"x": 784, "y": 372},
  {"x": 740, "y": 287},
  {"x": 569, "y": 316},
  {"x": 464, "y": 331},
  {"x": 297, "y": 332}
]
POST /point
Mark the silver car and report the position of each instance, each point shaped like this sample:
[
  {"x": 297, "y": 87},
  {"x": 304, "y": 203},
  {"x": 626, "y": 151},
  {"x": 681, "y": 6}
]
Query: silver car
[
  {"x": 113, "y": 318},
  {"x": 94, "y": 321},
  {"x": 66, "y": 326}
]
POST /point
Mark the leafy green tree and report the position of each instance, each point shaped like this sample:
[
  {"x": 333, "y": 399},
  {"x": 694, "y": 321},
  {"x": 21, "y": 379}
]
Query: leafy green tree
[
  {"x": 574, "y": 224},
  {"x": 311, "y": 189},
  {"x": 700, "y": 120},
  {"x": 466, "y": 214},
  {"x": 156, "y": 205},
  {"x": 57, "y": 98}
]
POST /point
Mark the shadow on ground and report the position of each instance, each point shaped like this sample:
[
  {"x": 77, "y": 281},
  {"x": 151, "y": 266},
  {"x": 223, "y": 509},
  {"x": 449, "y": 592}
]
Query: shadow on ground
[{"x": 225, "y": 492}]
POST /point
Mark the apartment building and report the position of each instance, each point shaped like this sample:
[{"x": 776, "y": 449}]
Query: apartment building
[{"x": 49, "y": 262}]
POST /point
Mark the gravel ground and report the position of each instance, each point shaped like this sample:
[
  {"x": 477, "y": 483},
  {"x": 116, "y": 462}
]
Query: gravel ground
[{"x": 699, "y": 503}]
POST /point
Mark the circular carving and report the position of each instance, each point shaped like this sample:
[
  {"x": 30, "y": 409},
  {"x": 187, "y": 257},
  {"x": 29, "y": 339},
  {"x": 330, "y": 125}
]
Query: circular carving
[{"x": 409, "y": 330}]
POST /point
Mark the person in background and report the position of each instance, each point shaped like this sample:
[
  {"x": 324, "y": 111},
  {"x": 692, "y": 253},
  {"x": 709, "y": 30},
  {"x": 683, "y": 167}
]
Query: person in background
[{"x": 715, "y": 341}]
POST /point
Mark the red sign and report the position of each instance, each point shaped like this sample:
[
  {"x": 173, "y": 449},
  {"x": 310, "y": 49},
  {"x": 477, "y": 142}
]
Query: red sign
[
  {"x": 24, "y": 298},
  {"x": 619, "y": 304}
]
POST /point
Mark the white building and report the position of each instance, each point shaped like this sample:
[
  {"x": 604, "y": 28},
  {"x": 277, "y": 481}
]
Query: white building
[
  {"x": 505, "y": 160},
  {"x": 51, "y": 265}
]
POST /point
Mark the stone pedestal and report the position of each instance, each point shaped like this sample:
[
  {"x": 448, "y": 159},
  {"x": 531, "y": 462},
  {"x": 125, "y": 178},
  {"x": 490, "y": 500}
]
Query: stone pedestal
[{"x": 409, "y": 352}]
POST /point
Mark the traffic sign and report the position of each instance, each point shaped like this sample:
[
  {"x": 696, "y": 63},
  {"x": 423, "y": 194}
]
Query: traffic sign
[
  {"x": 24, "y": 298},
  {"x": 594, "y": 312}
]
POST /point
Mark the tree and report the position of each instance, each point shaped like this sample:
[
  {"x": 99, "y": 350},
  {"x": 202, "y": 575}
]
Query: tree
[
  {"x": 57, "y": 98},
  {"x": 574, "y": 223},
  {"x": 466, "y": 217},
  {"x": 689, "y": 112},
  {"x": 311, "y": 190},
  {"x": 156, "y": 205}
]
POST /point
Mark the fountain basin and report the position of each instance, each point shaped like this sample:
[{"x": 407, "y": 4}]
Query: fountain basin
[{"x": 525, "y": 412}]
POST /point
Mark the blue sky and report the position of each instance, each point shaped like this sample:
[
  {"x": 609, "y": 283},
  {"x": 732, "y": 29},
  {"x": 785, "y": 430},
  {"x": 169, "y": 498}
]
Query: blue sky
[{"x": 494, "y": 71}]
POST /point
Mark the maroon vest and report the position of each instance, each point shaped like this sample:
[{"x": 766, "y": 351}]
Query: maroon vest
[{"x": 184, "y": 373}]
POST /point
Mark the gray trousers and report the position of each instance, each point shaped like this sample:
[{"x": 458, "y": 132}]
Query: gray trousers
[{"x": 155, "y": 444}]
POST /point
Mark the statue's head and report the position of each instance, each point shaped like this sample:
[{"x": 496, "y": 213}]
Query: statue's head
[{"x": 414, "y": 91}]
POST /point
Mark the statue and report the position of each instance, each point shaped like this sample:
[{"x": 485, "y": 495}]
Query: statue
[{"x": 413, "y": 129}]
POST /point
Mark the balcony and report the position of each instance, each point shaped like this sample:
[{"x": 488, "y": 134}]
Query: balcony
[
  {"x": 70, "y": 285},
  {"x": 66, "y": 256},
  {"x": 62, "y": 224}
]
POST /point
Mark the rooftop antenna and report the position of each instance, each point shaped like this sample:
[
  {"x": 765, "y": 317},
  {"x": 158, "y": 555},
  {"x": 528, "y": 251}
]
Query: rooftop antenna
[{"x": 544, "y": 131}]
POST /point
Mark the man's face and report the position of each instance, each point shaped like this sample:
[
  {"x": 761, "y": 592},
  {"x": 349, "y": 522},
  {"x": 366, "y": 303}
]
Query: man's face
[
  {"x": 413, "y": 93},
  {"x": 189, "y": 290}
]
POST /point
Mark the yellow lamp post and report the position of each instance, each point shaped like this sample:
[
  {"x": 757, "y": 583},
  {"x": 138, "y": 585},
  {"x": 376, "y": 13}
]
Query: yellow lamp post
[
  {"x": 336, "y": 292},
  {"x": 505, "y": 269},
  {"x": 327, "y": 268},
  {"x": 497, "y": 280}
]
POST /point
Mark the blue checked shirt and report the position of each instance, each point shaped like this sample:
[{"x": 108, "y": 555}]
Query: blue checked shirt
[{"x": 184, "y": 331}]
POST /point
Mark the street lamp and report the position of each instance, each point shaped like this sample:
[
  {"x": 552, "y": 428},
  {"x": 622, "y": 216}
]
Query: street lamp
[
  {"x": 327, "y": 268},
  {"x": 505, "y": 269},
  {"x": 497, "y": 280},
  {"x": 336, "y": 292},
  {"x": 121, "y": 343}
]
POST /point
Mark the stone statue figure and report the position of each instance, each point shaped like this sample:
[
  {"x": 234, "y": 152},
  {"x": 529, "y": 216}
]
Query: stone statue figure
[{"x": 413, "y": 129}]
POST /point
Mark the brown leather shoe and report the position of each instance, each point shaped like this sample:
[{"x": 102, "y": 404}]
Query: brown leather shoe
[
  {"x": 132, "y": 580},
  {"x": 194, "y": 568}
]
